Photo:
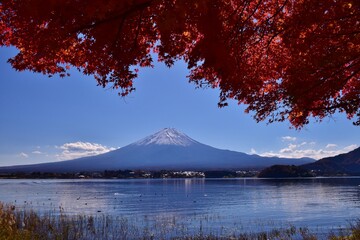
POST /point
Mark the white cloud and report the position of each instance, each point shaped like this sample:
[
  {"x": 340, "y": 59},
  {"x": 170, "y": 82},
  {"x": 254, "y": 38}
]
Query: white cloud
[
  {"x": 36, "y": 152},
  {"x": 309, "y": 150},
  {"x": 331, "y": 145},
  {"x": 81, "y": 149},
  {"x": 350, "y": 147},
  {"x": 23, "y": 155},
  {"x": 288, "y": 139},
  {"x": 253, "y": 151}
]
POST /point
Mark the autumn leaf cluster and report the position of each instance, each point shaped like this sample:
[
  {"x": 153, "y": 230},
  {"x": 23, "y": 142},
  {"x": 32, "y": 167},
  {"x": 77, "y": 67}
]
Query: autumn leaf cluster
[{"x": 284, "y": 59}]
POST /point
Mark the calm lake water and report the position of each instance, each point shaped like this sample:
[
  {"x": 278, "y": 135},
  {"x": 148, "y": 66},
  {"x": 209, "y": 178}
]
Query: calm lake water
[{"x": 246, "y": 204}]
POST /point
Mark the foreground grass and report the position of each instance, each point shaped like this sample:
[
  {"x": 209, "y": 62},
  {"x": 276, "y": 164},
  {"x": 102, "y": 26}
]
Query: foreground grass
[{"x": 26, "y": 224}]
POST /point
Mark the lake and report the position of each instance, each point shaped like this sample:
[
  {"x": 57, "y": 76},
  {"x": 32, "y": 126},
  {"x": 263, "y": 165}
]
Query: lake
[{"x": 247, "y": 204}]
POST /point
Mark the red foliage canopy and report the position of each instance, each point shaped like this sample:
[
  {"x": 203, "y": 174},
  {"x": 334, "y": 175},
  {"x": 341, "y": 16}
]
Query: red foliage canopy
[{"x": 284, "y": 59}]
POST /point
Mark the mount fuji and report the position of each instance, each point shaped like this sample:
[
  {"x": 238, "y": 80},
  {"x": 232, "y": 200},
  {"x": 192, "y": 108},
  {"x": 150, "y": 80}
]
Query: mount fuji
[{"x": 167, "y": 149}]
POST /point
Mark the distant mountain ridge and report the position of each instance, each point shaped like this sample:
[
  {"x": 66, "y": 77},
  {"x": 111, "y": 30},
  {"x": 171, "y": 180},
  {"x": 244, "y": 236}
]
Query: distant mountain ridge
[
  {"x": 167, "y": 149},
  {"x": 348, "y": 163},
  {"x": 343, "y": 164}
]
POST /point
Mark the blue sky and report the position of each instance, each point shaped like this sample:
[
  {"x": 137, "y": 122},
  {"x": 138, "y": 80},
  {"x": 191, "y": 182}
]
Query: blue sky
[{"x": 52, "y": 119}]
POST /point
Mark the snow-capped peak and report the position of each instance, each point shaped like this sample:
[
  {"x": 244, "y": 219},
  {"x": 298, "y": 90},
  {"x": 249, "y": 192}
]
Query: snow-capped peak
[{"x": 167, "y": 136}]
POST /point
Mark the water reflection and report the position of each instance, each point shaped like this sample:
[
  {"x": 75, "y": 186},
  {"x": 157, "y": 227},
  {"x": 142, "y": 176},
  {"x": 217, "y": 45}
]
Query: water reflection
[{"x": 304, "y": 202}]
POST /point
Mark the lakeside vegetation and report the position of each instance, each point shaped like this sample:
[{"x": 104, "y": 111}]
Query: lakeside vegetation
[
  {"x": 285, "y": 171},
  {"x": 16, "y": 224}
]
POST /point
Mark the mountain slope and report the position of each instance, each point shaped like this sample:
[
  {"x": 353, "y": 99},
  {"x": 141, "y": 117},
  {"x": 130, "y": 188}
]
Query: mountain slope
[
  {"x": 348, "y": 163},
  {"x": 167, "y": 149}
]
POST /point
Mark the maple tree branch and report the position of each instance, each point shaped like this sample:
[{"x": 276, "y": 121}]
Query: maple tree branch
[
  {"x": 348, "y": 16},
  {"x": 246, "y": 3},
  {"x": 115, "y": 17},
  {"x": 318, "y": 84},
  {"x": 137, "y": 30},
  {"x": 341, "y": 105},
  {"x": 235, "y": 31},
  {"x": 331, "y": 35},
  {"x": 274, "y": 36},
  {"x": 277, "y": 11},
  {"x": 119, "y": 31},
  {"x": 262, "y": 34},
  {"x": 254, "y": 11}
]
